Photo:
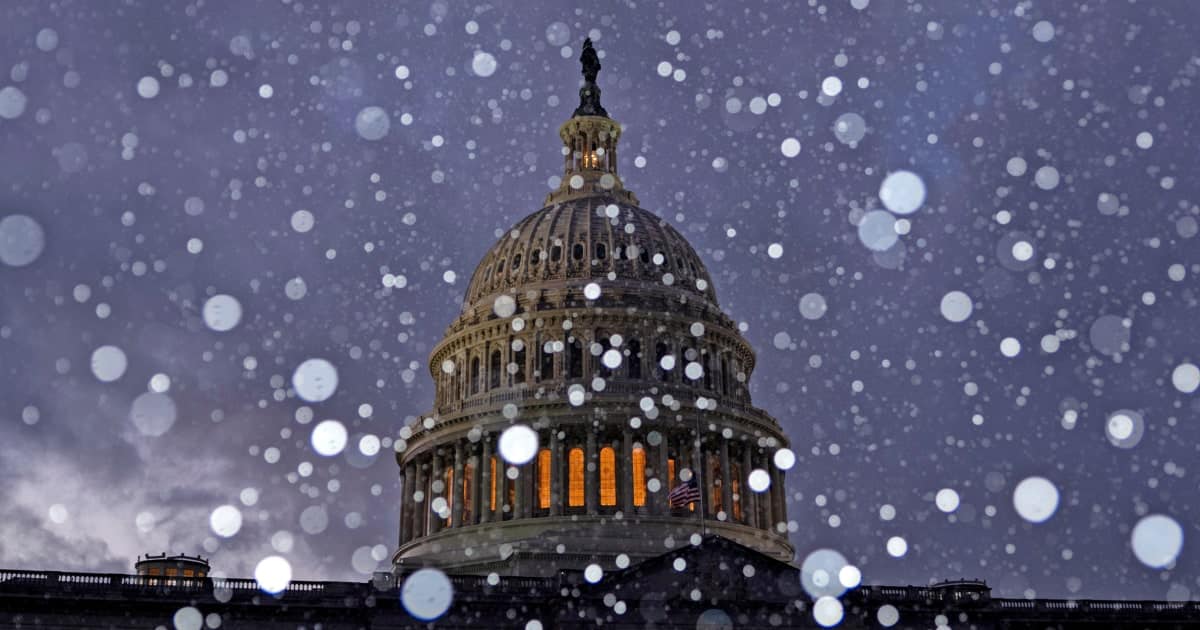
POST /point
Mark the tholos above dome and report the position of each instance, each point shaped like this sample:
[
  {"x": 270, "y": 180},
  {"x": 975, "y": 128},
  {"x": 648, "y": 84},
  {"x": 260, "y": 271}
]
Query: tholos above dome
[{"x": 585, "y": 239}]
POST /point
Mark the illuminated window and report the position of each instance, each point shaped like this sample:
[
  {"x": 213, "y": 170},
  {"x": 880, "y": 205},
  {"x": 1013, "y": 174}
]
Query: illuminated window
[
  {"x": 449, "y": 481},
  {"x": 575, "y": 463},
  {"x": 639, "y": 477},
  {"x": 512, "y": 498},
  {"x": 188, "y": 573},
  {"x": 670, "y": 474},
  {"x": 544, "y": 478},
  {"x": 492, "y": 494},
  {"x": 608, "y": 476}
]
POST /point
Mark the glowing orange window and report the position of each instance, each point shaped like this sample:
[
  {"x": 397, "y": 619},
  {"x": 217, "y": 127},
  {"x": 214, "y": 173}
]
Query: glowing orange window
[
  {"x": 639, "y": 477},
  {"x": 544, "y": 478},
  {"x": 608, "y": 476},
  {"x": 575, "y": 463}
]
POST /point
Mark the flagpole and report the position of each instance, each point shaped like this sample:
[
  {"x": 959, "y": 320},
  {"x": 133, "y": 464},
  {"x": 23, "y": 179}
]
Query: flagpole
[{"x": 699, "y": 475}]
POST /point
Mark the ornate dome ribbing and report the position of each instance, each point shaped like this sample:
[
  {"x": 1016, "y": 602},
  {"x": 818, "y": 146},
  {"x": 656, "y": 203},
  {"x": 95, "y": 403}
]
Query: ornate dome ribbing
[
  {"x": 594, "y": 326},
  {"x": 586, "y": 239}
]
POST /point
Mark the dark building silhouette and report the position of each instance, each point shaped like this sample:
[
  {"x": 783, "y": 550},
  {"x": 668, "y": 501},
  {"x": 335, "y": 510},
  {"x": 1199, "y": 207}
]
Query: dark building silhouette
[
  {"x": 714, "y": 590},
  {"x": 595, "y": 326}
]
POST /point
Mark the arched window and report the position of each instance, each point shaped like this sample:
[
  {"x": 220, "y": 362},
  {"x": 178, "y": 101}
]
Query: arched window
[
  {"x": 706, "y": 363},
  {"x": 556, "y": 253},
  {"x": 724, "y": 376},
  {"x": 660, "y": 351},
  {"x": 494, "y": 370},
  {"x": 575, "y": 465},
  {"x": 474, "y": 384},
  {"x": 605, "y": 345},
  {"x": 577, "y": 251},
  {"x": 456, "y": 381},
  {"x": 546, "y": 364},
  {"x": 608, "y": 476},
  {"x": 686, "y": 355},
  {"x": 574, "y": 360},
  {"x": 516, "y": 262},
  {"x": 544, "y": 478},
  {"x": 634, "y": 368},
  {"x": 601, "y": 251},
  {"x": 639, "y": 477},
  {"x": 518, "y": 347}
]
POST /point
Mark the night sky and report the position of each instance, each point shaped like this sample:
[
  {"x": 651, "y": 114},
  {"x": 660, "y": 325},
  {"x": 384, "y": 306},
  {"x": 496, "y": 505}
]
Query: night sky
[{"x": 168, "y": 153}]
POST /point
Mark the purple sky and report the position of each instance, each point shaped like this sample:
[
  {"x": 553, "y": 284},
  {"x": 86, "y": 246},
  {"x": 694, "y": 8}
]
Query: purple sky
[{"x": 1056, "y": 142}]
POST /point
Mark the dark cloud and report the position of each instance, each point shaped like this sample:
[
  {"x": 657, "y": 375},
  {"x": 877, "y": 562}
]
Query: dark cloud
[{"x": 879, "y": 395}]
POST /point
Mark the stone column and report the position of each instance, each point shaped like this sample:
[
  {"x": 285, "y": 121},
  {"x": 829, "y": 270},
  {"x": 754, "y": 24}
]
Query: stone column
[
  {"x": 626, "y": 485},
  {"x": 419, "y": 509},
  {"x": 502, "y": 483},
  {"x": 473, "y": 461},
  {"x": 529, "y": 488},
  {"x": 456, "y": 506},
  {"x": 683, "y": 459},
  {"x": 485, "y": 476},
  {"x": 436, "y": 521},
  {"x": 749, "y": 501},
  {"x": 779, "y": 494},
  {"x": 407, "y": 507},
  {"x": 661, "y": 504},
  {"x": 519, "y": 500},
  {"x": 403, "y": 510},
  {"x": 591, "y": 473},
  {"x": 765, "y": 499},
  {"x": 556, "y": 484},
  {"x": 726, "y": 481}
]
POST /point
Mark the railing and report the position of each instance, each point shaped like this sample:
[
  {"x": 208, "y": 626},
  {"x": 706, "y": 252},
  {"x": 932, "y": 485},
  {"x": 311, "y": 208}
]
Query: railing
[
  {"x": 970, "y": 594},
  {"x": 1094, "y": 605},
  {"x": 556, "y": 391},
  {"x": 77, "y": 583},
  {"x": 105, "y": 581},
  {"x": 98, "y": 582}
]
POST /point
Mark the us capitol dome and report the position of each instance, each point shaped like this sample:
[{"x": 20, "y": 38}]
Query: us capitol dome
[{"x": 590, "y": 333}]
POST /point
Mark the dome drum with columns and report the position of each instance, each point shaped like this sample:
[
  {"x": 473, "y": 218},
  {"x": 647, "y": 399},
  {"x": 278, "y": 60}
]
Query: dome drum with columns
[{"x": 594, "y": 323}]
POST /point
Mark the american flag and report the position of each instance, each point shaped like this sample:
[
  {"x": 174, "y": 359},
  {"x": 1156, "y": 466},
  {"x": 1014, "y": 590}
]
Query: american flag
[{"x": 683, "y": 494}]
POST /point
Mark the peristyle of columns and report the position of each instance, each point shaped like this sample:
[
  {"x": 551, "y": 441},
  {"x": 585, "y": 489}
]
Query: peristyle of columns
[{"x": 487, "y": 496}]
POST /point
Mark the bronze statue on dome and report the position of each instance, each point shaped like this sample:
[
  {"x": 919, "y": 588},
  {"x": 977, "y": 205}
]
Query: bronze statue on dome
[
  {"x": 590, "y": 61},
  {"x": 589, "y": 94}
]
